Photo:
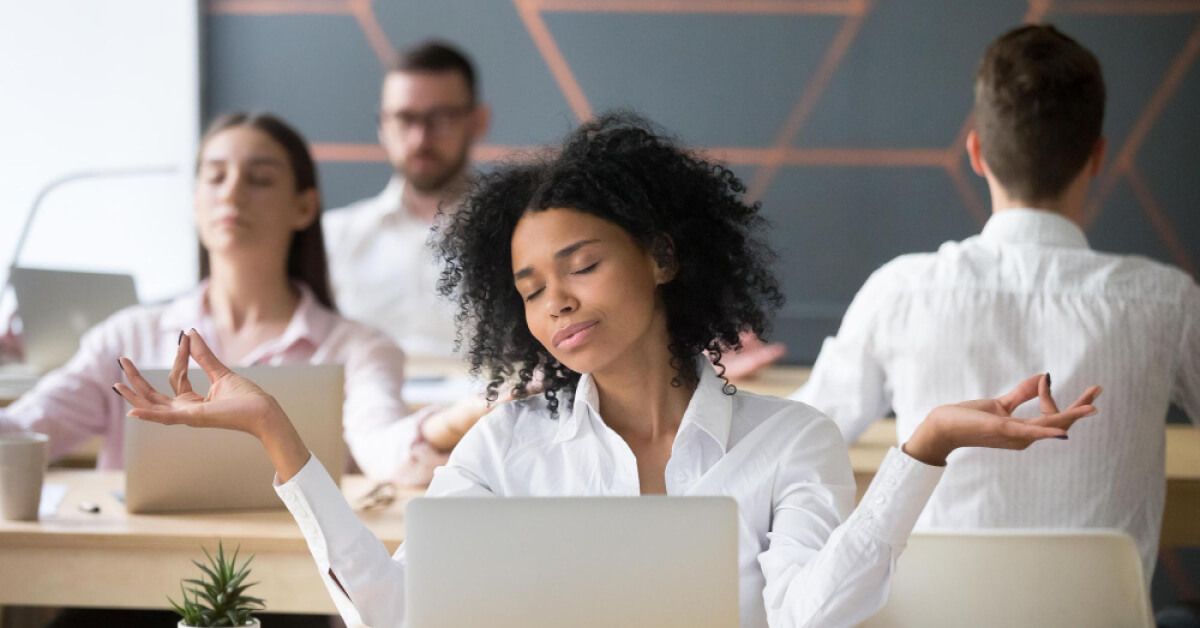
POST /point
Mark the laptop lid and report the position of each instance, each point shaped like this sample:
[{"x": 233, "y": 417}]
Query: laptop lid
[
  {"x": 175, "y": 468},
  {"x": 58, "y": 306},
  {"x": 571, "y": 561}
]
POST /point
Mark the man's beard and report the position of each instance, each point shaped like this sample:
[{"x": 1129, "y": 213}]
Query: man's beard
[{"x": 438, "y": 180}]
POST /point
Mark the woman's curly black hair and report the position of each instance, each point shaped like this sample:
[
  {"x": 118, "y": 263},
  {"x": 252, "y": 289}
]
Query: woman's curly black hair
[{"x": 686, "y": 210}]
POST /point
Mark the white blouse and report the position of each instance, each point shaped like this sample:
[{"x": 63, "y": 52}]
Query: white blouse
[{"x": 804, "y": 559}]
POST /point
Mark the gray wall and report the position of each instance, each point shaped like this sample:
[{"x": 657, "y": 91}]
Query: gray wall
[{"x": 865, "y": 102}]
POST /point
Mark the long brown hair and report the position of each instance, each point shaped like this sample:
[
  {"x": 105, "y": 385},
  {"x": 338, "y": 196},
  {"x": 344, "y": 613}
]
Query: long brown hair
[{"x": 306, "y": 261}]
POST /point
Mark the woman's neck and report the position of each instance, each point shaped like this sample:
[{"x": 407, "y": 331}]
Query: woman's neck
[
  {"x": 244, "y": 296},
  {"x": 637, "y": 399}
]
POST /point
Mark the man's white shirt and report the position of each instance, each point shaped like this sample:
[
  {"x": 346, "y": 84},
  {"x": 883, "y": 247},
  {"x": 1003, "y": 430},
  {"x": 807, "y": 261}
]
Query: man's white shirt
[
  {"x": 804, "y": 559},
  {"x": 1027, "y": 295},
  {"x": 385, "y": 274}
]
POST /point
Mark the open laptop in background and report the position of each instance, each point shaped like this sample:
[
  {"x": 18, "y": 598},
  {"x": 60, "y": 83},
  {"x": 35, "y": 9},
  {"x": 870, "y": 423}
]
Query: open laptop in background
[
  {"x": 176, "y": 468},
  {"x": 58, "y": 306},
  {"x": 571, "y": 561}
]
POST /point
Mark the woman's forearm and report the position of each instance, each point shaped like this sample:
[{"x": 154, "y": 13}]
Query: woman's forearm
[{"x": 285, "y": 448}]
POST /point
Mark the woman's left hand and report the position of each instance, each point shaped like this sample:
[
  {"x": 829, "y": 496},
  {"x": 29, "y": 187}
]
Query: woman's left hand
[{"x": 989, "y": 422}]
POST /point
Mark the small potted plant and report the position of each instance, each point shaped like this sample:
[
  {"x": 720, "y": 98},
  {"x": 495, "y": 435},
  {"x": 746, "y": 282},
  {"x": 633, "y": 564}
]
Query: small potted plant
[{"x": 219, "y": 599}]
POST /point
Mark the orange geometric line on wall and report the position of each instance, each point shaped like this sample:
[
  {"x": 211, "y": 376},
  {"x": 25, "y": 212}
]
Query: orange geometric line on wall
[
  {"x": 809, "y": 98},
  {"x": 340, "y": 152},
  {"x": 364, "y": 14},
  {"x": 1134, "y": 7},
  {"x": 278, "y": 7},
  {"x": 1124, "y": 159},
  {"x": 544, "y": 41},
  {"x": 1160, "y": 221},
  {"x": 968, "y": 193},
  {"x": 731, "y": 155},
  {"x": 799, "y": 7}
]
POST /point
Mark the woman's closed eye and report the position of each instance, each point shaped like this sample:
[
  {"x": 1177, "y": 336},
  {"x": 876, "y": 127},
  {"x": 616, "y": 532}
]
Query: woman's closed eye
[
  {"x": 586, "y": 269},
  {"x": 533, "y": 295}
]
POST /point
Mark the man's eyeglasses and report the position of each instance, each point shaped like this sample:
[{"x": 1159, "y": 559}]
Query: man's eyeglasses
[{"x": 436, "y": 120}]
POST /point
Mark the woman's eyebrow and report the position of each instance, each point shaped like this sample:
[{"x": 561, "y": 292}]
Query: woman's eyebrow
[{"x": 566, "y": 251}]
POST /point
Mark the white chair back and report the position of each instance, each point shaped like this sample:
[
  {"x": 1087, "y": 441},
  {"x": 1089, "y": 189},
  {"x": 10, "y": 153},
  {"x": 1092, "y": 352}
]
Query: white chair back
[{"x": 1018, "y": 578}]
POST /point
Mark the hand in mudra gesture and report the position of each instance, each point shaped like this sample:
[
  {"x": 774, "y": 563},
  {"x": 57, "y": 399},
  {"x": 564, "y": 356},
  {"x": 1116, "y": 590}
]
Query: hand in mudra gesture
[
  {"x": 989, "y": 422},
  {"x": 233, "y": 402}
]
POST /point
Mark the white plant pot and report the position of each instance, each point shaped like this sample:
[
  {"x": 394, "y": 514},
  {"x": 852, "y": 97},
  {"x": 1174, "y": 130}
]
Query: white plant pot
[{"x": 254, "y": 623}]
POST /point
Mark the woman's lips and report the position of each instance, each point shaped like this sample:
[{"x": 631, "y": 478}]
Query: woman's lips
[{"x": 573, "y": 335}]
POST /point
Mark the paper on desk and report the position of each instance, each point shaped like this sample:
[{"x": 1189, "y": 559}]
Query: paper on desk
[{"x": 52, "y": 496}]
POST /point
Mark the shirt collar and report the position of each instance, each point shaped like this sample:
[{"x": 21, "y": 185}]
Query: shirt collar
[
  {"x": 1034, "y": 226},
  {"x": 710, "y": 409},
  {"x": 311, "y": 322},
  {"x": 390, "y": 202}
]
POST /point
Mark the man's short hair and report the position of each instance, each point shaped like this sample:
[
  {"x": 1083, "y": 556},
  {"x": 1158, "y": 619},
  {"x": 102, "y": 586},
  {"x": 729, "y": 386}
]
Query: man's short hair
[
  {"x": 436, "y": 56},
  {"x": 1039, "y": 110}
]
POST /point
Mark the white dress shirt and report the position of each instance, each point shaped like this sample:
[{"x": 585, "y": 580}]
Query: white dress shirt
[
  {"x": 804, "y": 559},
  {"x": 972, "y": 319},
  {"x": 76, "y": 402},
  {"x": 385, "y": 274}
]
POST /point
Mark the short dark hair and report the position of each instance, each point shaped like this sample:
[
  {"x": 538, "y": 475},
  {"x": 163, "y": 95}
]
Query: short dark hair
[
  {"x": 1039, "y": 110},
  {"x": 435, "y": 55},
  {"x": 621, "y": 168},
  {"x": 306, "y": 260}
]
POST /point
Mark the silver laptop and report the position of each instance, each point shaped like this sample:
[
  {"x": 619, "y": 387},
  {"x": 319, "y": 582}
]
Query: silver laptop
[
  {"x": 572, "y": 561},
  {"x": 57, "y": 306},
  {"x": 175, "y": 468}
]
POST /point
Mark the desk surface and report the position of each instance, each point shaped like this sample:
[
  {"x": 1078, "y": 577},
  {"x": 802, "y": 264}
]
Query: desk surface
[{"x": 116, "y": 559}]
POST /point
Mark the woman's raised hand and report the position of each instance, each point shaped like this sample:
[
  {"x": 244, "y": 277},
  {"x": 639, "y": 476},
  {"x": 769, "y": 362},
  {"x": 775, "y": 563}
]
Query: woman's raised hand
[
  {"x": 989, "y": 422},
  {"x": 233, "y": 402}
]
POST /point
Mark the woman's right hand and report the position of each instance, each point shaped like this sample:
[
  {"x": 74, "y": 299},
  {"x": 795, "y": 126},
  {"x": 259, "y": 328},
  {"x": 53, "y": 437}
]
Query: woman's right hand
[{"x": 233, "y": 402}]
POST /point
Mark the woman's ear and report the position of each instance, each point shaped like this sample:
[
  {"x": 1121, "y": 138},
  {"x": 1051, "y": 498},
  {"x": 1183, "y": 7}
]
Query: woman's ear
[
  {"x": 309, "y": 209},
  {"x": 666, "y": 264}
]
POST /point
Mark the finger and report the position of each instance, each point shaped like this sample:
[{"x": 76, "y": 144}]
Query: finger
[
  {"x": 1021, "y": 434},
  {"x": 139, "y": 383},
  {"x": 749, "y": 340},
  {"x": 161, "y": 415},
  {"x": 1066, "y": 418},
  {"x": 203, "y": 356},
  {"x": 1088, "y": 397},
  {"x": 179, "y": 370},
  {"x": 1045, "y": 399},
  {"x": 131, "y": 396},
  {"x": 1024, "y": 391}
]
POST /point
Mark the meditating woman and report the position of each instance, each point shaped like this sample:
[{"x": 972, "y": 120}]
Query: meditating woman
[
  {"x": 263, "y": 299},
  {"x": 618, "y": 270}
]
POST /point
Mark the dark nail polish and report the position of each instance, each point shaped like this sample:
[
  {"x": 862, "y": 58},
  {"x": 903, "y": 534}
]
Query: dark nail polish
[
  {"x": 180, "y": 340},
  {"x": 117, "y": 391},
  {"x": 1063, "y": 437},
  {"x": 120, "y": 366},
  {"x": 1047, "y": 379}
]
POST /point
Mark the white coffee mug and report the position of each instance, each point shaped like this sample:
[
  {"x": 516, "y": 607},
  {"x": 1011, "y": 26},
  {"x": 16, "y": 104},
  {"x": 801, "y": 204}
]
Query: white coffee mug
[{"x": 23, "y": 457}]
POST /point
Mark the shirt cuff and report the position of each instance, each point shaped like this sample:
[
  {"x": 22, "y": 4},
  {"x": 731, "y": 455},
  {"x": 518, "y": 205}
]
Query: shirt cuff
[
  {"x": 892, "y": 504},
  {"x": 318, "y": 506}
]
